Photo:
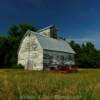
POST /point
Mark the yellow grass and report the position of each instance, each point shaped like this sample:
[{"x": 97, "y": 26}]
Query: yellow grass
[{"x": 33, "y": 85}]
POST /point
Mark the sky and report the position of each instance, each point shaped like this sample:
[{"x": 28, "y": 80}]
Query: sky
[{"x": 77, "y": 20}]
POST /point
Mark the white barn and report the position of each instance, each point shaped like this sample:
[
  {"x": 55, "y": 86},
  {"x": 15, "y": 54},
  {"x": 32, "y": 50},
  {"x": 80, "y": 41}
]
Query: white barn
[{"x": 43, "y": 49}]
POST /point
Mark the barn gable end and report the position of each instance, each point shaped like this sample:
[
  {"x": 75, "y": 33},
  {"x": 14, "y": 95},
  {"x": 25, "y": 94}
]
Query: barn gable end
[{"x": 30, "y": 52}]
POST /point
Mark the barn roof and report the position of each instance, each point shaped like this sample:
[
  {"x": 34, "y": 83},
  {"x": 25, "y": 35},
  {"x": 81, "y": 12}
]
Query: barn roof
[
  {"x": 48, "y": 27},
  {"x": 53, "y": 44}
]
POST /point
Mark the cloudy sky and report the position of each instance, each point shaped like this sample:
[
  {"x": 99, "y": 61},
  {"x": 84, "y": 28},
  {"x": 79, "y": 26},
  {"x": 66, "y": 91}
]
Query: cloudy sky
[{"x": 76, "y": 19}]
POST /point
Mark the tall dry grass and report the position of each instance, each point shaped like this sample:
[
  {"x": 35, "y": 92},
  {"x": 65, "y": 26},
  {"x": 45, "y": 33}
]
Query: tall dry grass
[{"x": 33, "y": 85}]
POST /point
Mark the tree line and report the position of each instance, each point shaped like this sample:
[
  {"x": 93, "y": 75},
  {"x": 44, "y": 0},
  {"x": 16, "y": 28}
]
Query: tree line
[
  {"x": 9, "y": 44},
  {"x": 87, "y": 56}
]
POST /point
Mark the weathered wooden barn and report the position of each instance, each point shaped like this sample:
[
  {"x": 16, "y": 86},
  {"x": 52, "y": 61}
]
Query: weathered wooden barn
[{"x": 44, "y": 49}]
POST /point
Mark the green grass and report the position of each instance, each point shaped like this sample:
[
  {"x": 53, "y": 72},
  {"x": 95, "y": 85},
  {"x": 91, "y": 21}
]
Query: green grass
[{"x": 31, "y": 85}]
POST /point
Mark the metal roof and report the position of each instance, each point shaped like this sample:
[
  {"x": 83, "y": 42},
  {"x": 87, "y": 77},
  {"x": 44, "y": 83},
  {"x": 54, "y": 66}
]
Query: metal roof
[
  {"x": 49, "y": 43},
  {"x": 48, "y": 27}
]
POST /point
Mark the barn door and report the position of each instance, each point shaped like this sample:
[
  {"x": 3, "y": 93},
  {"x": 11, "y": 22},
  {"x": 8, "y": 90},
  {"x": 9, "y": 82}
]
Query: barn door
[
  {"x": 29, "y": 65},
  {"x": 29, "y": 62}
]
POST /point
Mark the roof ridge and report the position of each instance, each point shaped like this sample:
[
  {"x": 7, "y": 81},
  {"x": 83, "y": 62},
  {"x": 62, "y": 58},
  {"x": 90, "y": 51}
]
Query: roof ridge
[
  {"x": 43, "y": 35},
  {"x": 48, "y": 36}
]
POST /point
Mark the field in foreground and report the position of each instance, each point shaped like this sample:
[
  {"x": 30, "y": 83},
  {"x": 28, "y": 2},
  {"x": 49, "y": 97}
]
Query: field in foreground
[{"x": 30, "y": 85}]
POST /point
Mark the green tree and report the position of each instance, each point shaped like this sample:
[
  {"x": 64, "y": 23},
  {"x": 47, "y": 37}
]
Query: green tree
[
  {"x": 77, "y": 48},
  {"x": 86, "y": 55},
  {"x": 4, "y": 51},
  {"x": 15, "y": 34}
]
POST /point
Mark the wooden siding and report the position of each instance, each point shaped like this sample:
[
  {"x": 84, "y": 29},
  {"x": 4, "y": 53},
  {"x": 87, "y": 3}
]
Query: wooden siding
[
  {"x": 53, "y": 58},
  {"x": 30, "y": 53}
]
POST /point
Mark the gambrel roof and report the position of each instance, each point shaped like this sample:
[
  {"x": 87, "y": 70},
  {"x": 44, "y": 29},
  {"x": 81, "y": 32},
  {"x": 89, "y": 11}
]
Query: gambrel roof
[{"x": 48, "y": 43}]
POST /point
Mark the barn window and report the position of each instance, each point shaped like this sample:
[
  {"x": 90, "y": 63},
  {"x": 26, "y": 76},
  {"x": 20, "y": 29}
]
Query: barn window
[
  {"x": 47, "y": 56},
  {"x": 62, "y": 57},
  {"x": 70, "y": 57}
]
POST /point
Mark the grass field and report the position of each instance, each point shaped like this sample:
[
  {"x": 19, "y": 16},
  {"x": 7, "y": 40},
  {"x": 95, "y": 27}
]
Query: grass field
[{"x": 30, "y": 85}]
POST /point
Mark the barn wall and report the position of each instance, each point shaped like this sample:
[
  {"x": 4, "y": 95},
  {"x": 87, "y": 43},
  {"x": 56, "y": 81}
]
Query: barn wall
[
  {"x": 31, "y": 54},
  {"x": 53, "y": 58}
]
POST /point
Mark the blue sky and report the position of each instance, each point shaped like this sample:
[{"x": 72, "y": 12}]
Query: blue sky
[{"x": 76, "y": 19}]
